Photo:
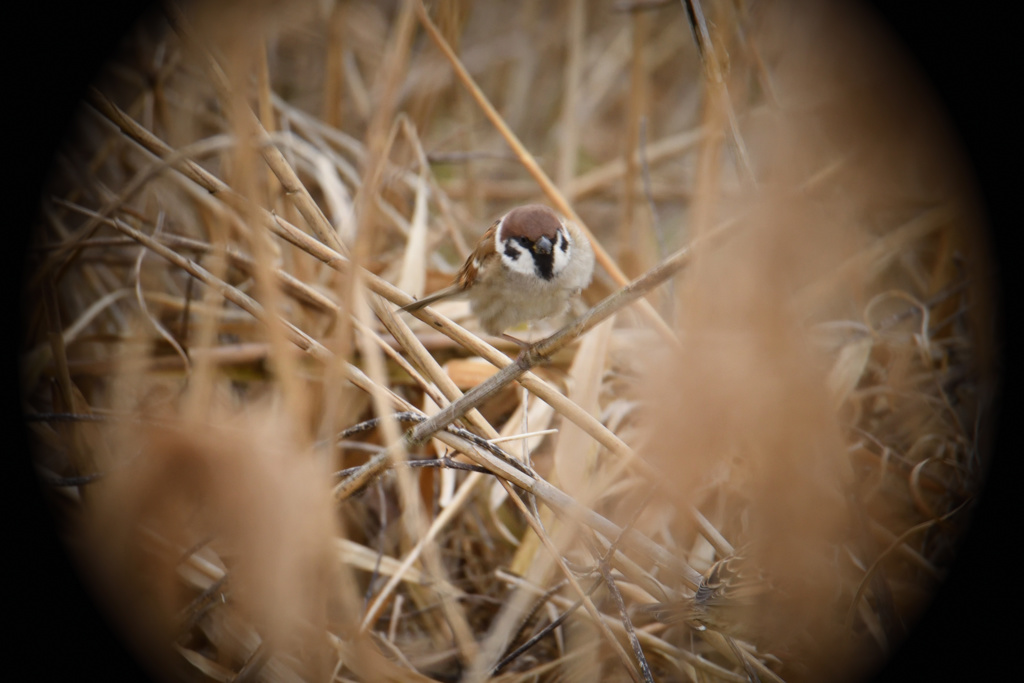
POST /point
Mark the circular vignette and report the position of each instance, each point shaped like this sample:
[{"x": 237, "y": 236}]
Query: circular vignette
[{"x": 966, "y": 91}]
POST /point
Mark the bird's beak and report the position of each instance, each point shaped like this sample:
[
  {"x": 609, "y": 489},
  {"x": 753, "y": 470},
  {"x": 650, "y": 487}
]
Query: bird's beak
[{"x": 542, "y": 246}]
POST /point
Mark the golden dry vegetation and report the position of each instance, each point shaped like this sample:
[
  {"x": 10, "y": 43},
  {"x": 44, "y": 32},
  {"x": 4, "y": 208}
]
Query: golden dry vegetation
[{"x": 753, "y": 463}]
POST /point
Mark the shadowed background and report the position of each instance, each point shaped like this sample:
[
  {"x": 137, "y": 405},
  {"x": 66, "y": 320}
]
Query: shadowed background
[{"x": 710, "y": 268}]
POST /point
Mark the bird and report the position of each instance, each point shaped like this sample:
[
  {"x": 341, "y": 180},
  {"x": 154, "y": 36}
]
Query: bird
[{"x": 526, "y": 267}]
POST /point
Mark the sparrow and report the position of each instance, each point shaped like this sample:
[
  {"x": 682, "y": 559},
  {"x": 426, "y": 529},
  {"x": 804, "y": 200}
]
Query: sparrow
[{"x": 526, "y": 267}]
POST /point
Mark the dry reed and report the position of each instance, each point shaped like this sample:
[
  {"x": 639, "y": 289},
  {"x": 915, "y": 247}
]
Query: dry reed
[{"x": 235, "y": 421}]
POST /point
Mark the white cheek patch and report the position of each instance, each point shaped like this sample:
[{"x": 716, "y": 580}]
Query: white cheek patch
[
  {"x": 516, "y": 258},
  {"x": 562, "y": 251}
]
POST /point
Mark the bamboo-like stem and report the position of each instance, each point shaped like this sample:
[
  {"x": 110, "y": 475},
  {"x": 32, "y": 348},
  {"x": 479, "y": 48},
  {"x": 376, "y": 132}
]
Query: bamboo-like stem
[
  {"x": 526, "y": 159},
  {"x": 562, "y": 503},
  {"x": 331, "y": 258},
  {"x": 538, "y": 352},
  {"x": 551, "y": 495},
  {"x": 588, "y": 604},
  {"x": 516, "y": 370},
  {"x": 293, "y": 187},
  {"x": 569, "y": 508}
]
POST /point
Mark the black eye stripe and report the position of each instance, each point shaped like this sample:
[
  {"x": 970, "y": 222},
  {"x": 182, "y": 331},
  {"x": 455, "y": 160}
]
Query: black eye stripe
[
  {"x": 527, "y": 243},
  {"x": 544, "y": 264}
]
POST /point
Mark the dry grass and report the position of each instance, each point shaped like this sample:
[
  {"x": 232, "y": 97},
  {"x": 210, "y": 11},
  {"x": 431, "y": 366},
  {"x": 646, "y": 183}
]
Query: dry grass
[{"x": 250, "y": 194}]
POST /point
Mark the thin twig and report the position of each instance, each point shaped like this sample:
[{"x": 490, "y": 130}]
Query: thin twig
[
  {"x": 638, "y": 652},
  {"x": 538, "y": 352},
  {"x": 584, "y": 597},
  {"x": 294, "y": 188},
  {"x": 534, "y": 169},
  {"x": 290, "y": 233},
  {"x": 547, "y": 630}
]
